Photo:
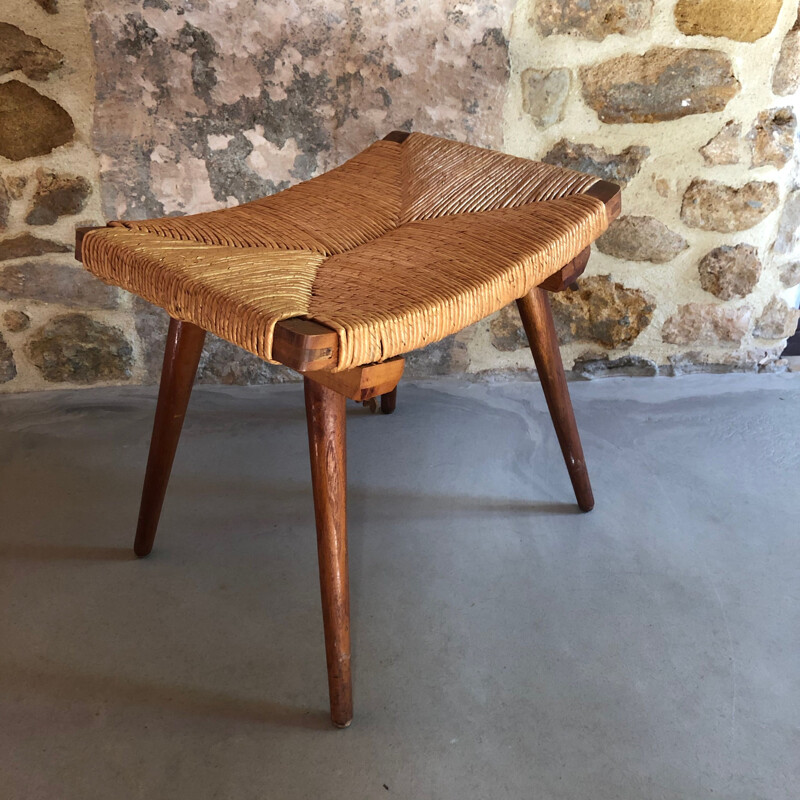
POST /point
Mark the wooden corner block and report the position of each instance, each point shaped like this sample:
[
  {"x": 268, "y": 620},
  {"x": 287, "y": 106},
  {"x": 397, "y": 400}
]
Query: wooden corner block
[
  {"x": 396, "y": 136},
  {"x": 611, "y": 195},
  {"x": 79, "y": 234},
  {"x": 305, "y": 345},
  {"x": 568, "y": 274},
  {"x": 362, "y": 383}
]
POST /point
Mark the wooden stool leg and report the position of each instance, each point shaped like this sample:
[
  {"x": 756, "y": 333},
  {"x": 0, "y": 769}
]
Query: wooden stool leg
[
  {"x": 389, "y": 402},
  {"x": 537, "y": 319},
  {"x": 184, "y": 346},
  {"x": 325, "y": 413}
]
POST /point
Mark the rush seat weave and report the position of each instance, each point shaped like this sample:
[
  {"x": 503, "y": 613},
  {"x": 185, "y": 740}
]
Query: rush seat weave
[{"x": 399, "y": 247}]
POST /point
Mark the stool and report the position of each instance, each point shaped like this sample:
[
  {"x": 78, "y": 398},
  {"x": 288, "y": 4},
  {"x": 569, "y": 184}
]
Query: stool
[{"x": 338, "y": 277}]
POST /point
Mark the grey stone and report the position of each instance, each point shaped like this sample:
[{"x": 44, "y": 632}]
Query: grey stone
[
  {"x": 25, "y": 245},
  {"x": 725, "y": 147},
  {"x": 786, "y": 240},
  {"x": 506, "y": 330},
  {"x": 225, "y": 363},
  {"x": 318, "y": 109},
  {"x": 5, "y": 204},
  {"x": 786, "y": 77},
  {"x": 16, "y": 321},
  {"x": 774, "y": 366},
  {"x": 151, "y": 324},
  {"x": 56, "y": 283},
  {"x": 592, "y": 19},
  {"x": 662, "y": 84},
  {"x": 713, "y": 206},
  {"x": 790, "y": 274},
  {"x": 30, "y": 123},
  {"x": 440, "y": 358},
  {"x": 602, "y": 311},
  {"x": 220, "y": 363},
  {"x": 694, "y": 362},
  {"x": 618, "y": 168},
  {"x": 30, "y": 55},
  {"x": 57, "y": 196},
  {"x": 641, "y": 239},
  {"x": 592, "y": 365},
  {"x": 544, "y": 94},
  {"x": 707, "y": 324},
  {"x": 8, "y": 367},
  {"x": 772, "y": 137},
  {"x": 777, "y": 321},
  {"x": 75, "y": 348},
  {"x": 729, "y": 272}
]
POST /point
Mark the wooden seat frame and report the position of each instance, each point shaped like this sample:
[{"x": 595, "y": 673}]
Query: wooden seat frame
[{"x": 312, "y": 349}]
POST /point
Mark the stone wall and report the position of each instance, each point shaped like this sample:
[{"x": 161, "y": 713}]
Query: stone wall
[
  {"x": 57, "y": 323},
  {"x": 136, "y": 109},
  {"x": 692, "y": 107}
]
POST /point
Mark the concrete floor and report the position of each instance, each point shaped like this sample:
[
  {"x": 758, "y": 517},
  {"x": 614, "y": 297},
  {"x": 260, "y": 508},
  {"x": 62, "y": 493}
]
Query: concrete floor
[{"x": 506, "y": 646}]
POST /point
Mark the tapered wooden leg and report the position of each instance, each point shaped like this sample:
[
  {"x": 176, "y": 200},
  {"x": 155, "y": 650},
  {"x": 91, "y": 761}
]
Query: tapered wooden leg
[
  {"x": 325, "y": 412},
  {"x": 389, "y": 402},
  {"x": 537, "y": 318},
  {"x": 184, "y": 346}
]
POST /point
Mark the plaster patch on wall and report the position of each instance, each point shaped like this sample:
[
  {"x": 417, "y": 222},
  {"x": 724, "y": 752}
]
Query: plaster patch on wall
[{"x": 265, "y": 106}]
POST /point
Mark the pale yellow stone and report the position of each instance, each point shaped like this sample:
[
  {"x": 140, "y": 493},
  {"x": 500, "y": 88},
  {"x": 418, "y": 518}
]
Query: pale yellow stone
[{"x": 742, "y": 20}]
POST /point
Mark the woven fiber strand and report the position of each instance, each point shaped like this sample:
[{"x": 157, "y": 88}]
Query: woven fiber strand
[
  {"x": 430, "y": 278},
  {"x": 443, "y": 177},
  {"x": 399, "y": 247},
  {"x": 237, "y": 293}
]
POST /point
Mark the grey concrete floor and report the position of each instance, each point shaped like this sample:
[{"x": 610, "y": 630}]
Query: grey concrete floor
[{"x": 506, "y": 646}]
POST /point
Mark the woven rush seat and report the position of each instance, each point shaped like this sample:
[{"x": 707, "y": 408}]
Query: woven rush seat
[{"x": 406, "y": 243}]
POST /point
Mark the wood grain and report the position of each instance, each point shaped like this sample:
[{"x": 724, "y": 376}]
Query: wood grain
[
  {"x": 325, "y": 414},
  {"x": 611, "y": 195},
  {"x": 567, "y": 275},
  {"x": 305, "y": 345},
  {"x": 182, "y": 354},
  {"x": 537, "y": 318},
  {"x": 389, "y": 402},
  {"x": 362, "y": 383}
]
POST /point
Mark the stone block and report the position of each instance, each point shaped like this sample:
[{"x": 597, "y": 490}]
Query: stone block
[
  {"x": 662, "y": 84},
  {"x": 57, "y": 196},
  {"x": 19, "y": 51},
  {"x": 618, "y": 168},
  {"x": 75, "y": 348},
  {"x": 729, "y": 272},
  {"x": 592, "y": 19},
  {"x": 31, "y": 124},
  {"x": 713, "y": 206},
  {"x": 544, "y": 94},
  {"x": 777, "y": 321},
  {"x": 641, "y": 239},
  {"x": 602, "y": 311},
  {"x": 56, "y": 283},
  {"x": 707, "y": 324},
  {"x": 741, "y": 20}
]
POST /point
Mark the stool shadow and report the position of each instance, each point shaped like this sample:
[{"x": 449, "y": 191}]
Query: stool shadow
[
  {"x": 25, "y": 551},
  {"x": 288, "y": 496},
  {"x": 185, "y": 700}
]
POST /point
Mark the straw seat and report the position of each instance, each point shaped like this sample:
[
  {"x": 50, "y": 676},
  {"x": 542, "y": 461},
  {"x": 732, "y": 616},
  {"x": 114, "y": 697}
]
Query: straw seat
[
  {"x": 399, "y": 247},
  {"x": 412, "y": 240}
]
